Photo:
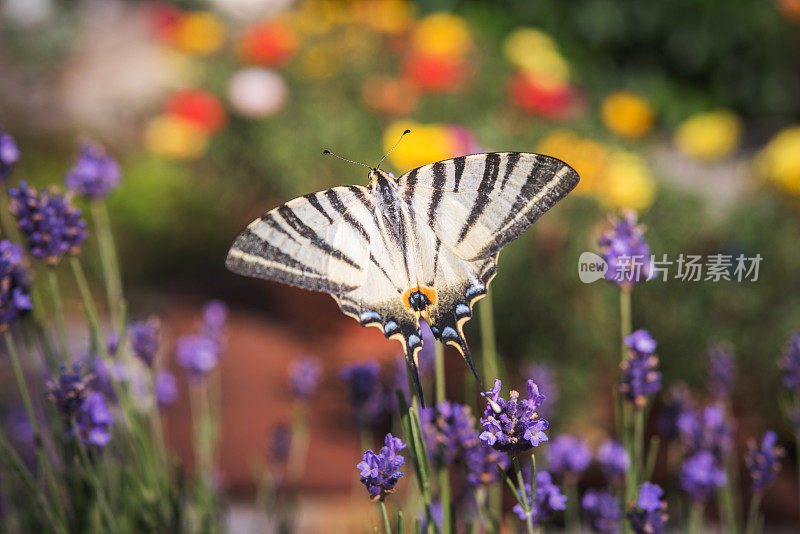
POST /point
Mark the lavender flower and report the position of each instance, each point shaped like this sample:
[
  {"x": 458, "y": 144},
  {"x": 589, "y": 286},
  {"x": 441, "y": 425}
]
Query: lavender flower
[
  {"x": 197, "y": 354},
  {"x": 706, "y": 429},
  {"x": 144, "y": 336},
  {"x": 678, "y": 401},
  {"x": 15, "y": 300},
  {"x": 481, "y": 463},
  {"x": 280, "y": 443},
  {"x": 763, "y": 462},
  {"x": 95, "y": 174},
  {"x": 626, "y": 252},
  {"x": 569, "y": 457},
  {"x": 215, "y": 315},
  {"x": 166, "y": 388},
  {"x": 790, "y": 363},
  {"x": 721, "y": 371},
  {"x": 94, "y": 420},
  {"x": 76, "y": 401},
  {"x": 448, "y": 430},
  {"x": 544, "y": 376},
  {"x": 71, "y": 390},
  {"x": 380, "y": 472},
  {"x": 701, "y": 475},
  {"x": 512, "y": 425},
  {"x": 364, "y": 390},
  {"x": 9, "y": 154},
  {"x": 649, "y": 514},
  {"x": 546, "y": 501},
  {"x": 603, "y": 511},
  {"x": 50, "y": 223},
  {"x": 614, "y": 460},
  {"x": 304, "y": 376},
  {"x": 436, "y": 513},
  {"x": 640, "y": 376}
]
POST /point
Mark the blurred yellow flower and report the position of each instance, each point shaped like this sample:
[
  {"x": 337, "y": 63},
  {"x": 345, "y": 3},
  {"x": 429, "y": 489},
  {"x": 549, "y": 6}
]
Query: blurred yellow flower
[
  {"x": 587, "y": 157},
  {"x": 385, "y": 16},
  {"x": 426, "y": 143},
  {"x": 627, "y": 114},
  {"x": 442, "y": 34},
  {"x": 779, "y": 161},
  {"x": 175, "y": 138},
  {"x": 628, "y": 183},
  {"x": 536, "y": 53},
  {"x": 199, "y": 33},
  {"x": 708, "y": 136}
]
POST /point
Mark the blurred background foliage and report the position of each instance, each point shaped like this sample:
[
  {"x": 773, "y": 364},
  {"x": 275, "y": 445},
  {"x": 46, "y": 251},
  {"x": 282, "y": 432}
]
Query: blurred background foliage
[{"x": 674, "y": 108}]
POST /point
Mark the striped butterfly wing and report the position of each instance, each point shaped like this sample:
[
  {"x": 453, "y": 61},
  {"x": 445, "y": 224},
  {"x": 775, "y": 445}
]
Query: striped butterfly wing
[{"x": 466, "y": 210}]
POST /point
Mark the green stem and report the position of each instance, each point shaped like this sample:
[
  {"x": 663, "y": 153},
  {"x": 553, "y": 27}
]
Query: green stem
[
  {"x": 9, "y": 226},
  {"x": 108, "y": 261},
  {"x": 491, "y": 369},
  {"x": 625, "y": 319},
  {"x": 638, "y": 441},
  {"x": 573, "y": 522},
  {"x": 753, "y": 516},
  {"x": 94, "y": 479},
  {"x": 696, "y": 519},
  {"x": 444, "y": 498},
  {"x": 727, "y": 508},
  {"x": 98, "y": 339},
  {"x": 387, "y": 528},
  {"x": 298, "y": 446},
  {"x": 58, "y": 309},
  {"x": 41, "y": 455},
  {"x": 441, "y": 393},
  {"x": 526, "y": 505}
]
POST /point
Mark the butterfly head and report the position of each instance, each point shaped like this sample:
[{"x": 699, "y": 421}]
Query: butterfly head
[{"x": 382, "y": 182}]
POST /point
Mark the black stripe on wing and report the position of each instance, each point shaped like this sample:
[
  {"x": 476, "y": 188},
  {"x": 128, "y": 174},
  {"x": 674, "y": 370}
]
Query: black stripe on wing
[
  {"x": 491, "y": 170},
  {"x": 291, "y": 219}
]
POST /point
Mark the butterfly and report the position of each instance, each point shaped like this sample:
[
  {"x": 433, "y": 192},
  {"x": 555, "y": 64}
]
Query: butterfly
[{"x": 422, "y": 246}]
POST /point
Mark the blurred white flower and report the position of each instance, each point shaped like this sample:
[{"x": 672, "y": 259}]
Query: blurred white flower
[
  {"x": 248, "y": 9},
  {"x": 27, "y": 12},
  {"x": 257, "y": 93}
]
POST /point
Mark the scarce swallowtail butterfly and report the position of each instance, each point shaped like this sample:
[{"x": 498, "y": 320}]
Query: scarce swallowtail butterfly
[{"x": 424, "y": 245}]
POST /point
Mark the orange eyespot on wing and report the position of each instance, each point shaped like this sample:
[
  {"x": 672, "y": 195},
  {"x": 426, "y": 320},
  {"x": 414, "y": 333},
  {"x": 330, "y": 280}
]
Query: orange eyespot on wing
[{"x": 419, "y": 298}]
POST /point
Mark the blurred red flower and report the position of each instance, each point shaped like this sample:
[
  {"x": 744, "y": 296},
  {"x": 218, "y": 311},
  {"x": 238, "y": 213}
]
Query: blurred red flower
[
  {"x": 435, "y": 73},
  {"x": 540, "y": 96},
  {"x": 198, "y": 107},
  {"x": 269, "y": 44},
  {"x": 163, "y": 21}
]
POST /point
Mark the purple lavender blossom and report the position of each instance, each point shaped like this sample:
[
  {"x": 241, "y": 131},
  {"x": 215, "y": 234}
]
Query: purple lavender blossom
[
  {"x": 790, "y": 363},
  {"x": 215, "y": 316},
  {"x": 71, "y": 390},
  {"x": 112, "y": 343},
  {"x": 640, "y": 376},
  {"x": 512, "y": 425},
  {"x": 94, "y": 420},
  {"x": 763, "y": 461},
  {"x": 197, "y": 354},
  {"x": 706, "y": 429},
  {"x": 614, "y": 461},
  {"x": 436, "y": 513},
  {"x": 544, "y": 376},
  {"x": 481, "y": 463},
  {"x": 166, "y": 388},
  {"x": 9, "y": 155},
  {"x": 77, "y": 402},
  {"x": 364, "y": 390},
  {"x": 649, "y": 514},
  {"x": 144, "y": 336},
  {"x": 547, "y": 500},
  {"x": 448, "y": 430},
  {"x": 380, "y": 472},
  {"x": 701, "y": 475},
  {"x": 603, "y": 511},
  {"x": 677, "y": 401},
  {"x": 626, "y": 252},
  {"x": 569, "y": 457},
  {"x": 50, "y": 223},
  {"x": 721, "y": 371},
  {"x": 280, "y": 443},
  {"x": 95, "y": 174},
  {"x": 15, "y": 300},
  {"x": 304, "y": 374}
]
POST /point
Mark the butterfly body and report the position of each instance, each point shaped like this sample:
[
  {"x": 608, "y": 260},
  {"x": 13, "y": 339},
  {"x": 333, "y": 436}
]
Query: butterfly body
[{"x": 423, "y": 246}]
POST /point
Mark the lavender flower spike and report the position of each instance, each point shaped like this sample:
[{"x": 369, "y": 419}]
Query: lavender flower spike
[
  {"x": 763, "y": 462},
  {"x": 512, "y": 425},
  {"x": 569, "y": 457},
  {"x": 448, "y": 430},
  {"x": 9, "y": 154},
  {"x": 701, "y": 475},
  {"x": 603, "y": 511},
  {"x": 614, "y": 461},
  {"x": 144, "y": 336},
  {"x": 380, "y": 472},
  {"x": 640, "y": 376},
  {"x": 649, "y": 514},
  {"x": 546, "y": 501},
  {"x": 95, "y": 174},
  {"x": 721, "y": 371},
  {"x": 15, "y": 300},
  {"x": 304, "y": 376},
  {"x": 626, "y": 252},
  {"x": 790, "y": 363}
]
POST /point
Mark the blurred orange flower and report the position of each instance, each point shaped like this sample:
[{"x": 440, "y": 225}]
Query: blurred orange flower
[
  {"x": 586, "y": 156},
  {"x": 536, "y": 53},
  {"x": 441, "y": 34},
  {"x": 175, "y": 138},
  {"x": 708, "y": 136},
  {"x": 628, "y": 183},
  {"x": 426, "y": 143},
  {"x": 779, "y": 161},
  {"x": 790, "y": 8},
  {"x": 385, "y": 16},
  {"x": 627, "y": 114},
  {"x": 268, "y": 44},
  {"x": 540, "y": 95},
  {"x": 198, "y": 107},
  {"x": 199, "y": 33},
  {"x": 435, "y": 73},
  {"x": 389, "y": 95}
]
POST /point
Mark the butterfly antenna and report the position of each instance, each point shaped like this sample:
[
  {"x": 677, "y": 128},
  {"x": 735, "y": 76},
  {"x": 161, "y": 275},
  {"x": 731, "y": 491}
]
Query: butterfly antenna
[
  {"x": 329, "y": 153},
  {"x": 378, "y": 166}
]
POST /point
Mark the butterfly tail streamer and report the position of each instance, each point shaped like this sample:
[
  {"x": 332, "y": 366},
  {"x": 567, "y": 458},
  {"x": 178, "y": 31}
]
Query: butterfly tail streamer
[
  {"x": 468, "y": 358},
  {"x": 413, "y": 373}
]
